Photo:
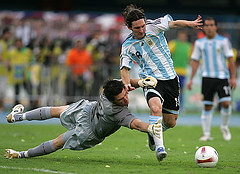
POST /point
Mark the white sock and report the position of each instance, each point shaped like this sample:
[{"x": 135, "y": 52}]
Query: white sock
[
  {"x": 226, "y": 113},
  {"x": 158, "y": 141},
  {"x": 206, "y": 119}
]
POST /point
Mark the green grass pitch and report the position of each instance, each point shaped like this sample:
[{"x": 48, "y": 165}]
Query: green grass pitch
[{"x": 125, "y": 151}]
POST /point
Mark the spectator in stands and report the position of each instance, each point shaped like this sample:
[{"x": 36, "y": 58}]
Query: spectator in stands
[
  {"x": 79, "y": 60},
  {"x": 4, "y": 64},
  {"x": 19, "y": 58}
]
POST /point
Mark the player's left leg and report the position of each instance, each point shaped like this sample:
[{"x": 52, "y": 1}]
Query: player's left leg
[
  {"x": 169, "y": 121},
  {"x": 226, "y": 111},
  {"x": 43, "y": 149},
  {"x": 224, "y": 93},
  {"x": 42, "y": 113}
]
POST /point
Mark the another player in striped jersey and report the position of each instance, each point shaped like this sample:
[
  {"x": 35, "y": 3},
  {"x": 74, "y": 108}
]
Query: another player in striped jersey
[
  {"x": 147, "y": 46},
  {"x": 214, "y": 50}
]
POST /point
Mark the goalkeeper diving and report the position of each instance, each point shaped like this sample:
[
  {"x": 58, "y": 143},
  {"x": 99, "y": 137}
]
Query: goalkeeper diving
[{"x": 88, "y": 122}]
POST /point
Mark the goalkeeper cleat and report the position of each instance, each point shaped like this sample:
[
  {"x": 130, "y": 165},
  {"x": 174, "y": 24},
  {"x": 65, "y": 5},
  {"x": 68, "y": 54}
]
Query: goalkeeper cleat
[
  {"x": 226, "y": 133},
  {"x": 151, "y": 142},
  {"x": 161, "y": 153},
  {"x": 9, "y": 153},
  {"x": 16, "y": 114},
  {"x": 205, "y": 138}
]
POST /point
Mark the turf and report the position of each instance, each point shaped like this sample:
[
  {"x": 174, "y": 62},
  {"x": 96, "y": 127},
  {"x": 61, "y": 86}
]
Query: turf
[{"x": 125, "y": 151}]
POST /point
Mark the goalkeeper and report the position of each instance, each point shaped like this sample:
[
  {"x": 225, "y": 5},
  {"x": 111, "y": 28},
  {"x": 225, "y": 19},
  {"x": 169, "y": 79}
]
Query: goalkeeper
[{"x": 88, "y": 123}]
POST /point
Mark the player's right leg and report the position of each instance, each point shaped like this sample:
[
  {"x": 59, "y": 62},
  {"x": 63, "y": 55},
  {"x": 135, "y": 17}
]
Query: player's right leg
[
  {"x": 208, "y": 91},
  {"x": 42, "y": 113},
  {"x": 206, "y": 120},
  {"x": 43, "y": 149}
]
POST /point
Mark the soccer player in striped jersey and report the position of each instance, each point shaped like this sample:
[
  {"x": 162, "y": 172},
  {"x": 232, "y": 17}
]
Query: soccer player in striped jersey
[
  {"x": 214, "y": 50},
  {"x": 147, "y": 46}
]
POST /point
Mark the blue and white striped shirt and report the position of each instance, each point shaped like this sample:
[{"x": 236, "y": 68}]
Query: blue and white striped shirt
[
  {"x": 213, "y": 53},
  {"x": 151, "y": 52}
]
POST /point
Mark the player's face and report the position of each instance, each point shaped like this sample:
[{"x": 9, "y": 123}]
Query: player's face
[
  {"x": 182, "y": 36},
  {"x": 210, "y": 29},
  {"x": 138, "y": 28},
  {"x": 122, "y": 98},
  {"x": 19, "y": 44}
]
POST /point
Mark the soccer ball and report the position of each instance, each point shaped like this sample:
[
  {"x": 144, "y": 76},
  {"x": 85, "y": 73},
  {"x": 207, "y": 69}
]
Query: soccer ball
[{"x": 206, "y": 156}]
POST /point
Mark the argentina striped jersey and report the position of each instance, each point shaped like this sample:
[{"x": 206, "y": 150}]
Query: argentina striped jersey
[
  {"x": 213, "y": 53},
  {"x": 151, "y": 52}
]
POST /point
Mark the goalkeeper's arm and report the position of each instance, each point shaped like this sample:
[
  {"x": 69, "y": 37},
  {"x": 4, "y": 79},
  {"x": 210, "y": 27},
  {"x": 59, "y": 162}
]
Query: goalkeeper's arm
[{"x": 153, "y": 129}]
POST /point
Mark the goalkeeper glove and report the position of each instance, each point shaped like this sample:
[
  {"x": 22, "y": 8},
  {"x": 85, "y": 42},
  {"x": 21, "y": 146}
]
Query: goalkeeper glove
[
  {"x": 155, "y": 129},
  {"x": 150, "y": 82}
]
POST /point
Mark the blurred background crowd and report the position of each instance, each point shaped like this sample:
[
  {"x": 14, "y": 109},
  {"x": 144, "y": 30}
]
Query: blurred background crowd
[{"x": 55, "y": 58}]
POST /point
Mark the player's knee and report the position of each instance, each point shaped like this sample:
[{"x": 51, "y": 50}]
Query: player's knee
[
  {"x": 156, "y": 110},
  {"x": 225, "y": 104},
  {"x": 170, "y": 123},
  {"x": 208, "y": 107}
]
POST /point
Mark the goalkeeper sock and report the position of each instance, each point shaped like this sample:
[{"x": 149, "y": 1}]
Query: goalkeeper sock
[
  {"x": 43, "y": 149},
  {"x": 226, "y": 113},
  {"x": 206, "y": 119},
  {"x": 42, "y": 113}
]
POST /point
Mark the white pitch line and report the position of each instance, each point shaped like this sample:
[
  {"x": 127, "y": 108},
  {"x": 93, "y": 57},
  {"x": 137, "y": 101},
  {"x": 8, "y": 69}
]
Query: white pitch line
[{"x": 34, "y": 169}]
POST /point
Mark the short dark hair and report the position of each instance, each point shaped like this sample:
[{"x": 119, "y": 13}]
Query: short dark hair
[
  {"x": 132, "y": 13},
  {"x": 210, "y": 18},
  {"x": 111, "y": 88}
]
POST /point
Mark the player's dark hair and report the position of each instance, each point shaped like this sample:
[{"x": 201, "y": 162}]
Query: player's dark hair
[
  {"x": 209, "y": 18},
  {"x": 112, "y": 88},
  {"x": 132, "y": 13}
]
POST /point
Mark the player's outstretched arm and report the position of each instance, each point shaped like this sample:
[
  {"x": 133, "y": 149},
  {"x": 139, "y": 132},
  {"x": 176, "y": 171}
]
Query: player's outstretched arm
[
  {"x": 154, "y": 129},
  {"x": 197, "y": 24}
]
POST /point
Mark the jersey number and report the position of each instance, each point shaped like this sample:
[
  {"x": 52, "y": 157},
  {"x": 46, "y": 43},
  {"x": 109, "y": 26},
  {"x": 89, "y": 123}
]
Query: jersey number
[
  {"x": 177, "y": 101},
  {"x": 227, "y": 90}
]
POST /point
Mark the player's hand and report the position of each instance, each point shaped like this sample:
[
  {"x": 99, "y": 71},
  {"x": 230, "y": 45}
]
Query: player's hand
[
  {"x": 150, "y": 82},
  {"x": 156, "y": 128},
  {"x": 233, "y": 83},
  {"x": 189, "y": 85},
  {"x": 197, "y": 24},
  {"x": 129, "y": 87}
]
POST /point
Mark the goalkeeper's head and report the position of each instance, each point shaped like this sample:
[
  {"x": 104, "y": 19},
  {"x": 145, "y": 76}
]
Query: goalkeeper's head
[{"x": 115, "y": 92}]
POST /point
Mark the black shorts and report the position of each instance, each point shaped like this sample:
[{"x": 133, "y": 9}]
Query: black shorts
[
  {"x": 211, "y": 86},
  {"x": 168, "y": 92}
]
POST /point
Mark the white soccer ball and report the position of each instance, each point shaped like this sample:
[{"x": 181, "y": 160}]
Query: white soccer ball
[{"x": 206, "y": 156}]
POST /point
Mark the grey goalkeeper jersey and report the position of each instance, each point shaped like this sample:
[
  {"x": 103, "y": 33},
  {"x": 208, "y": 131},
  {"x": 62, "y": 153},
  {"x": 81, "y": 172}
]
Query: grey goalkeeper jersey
[{"x": 108, "y": 117}]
